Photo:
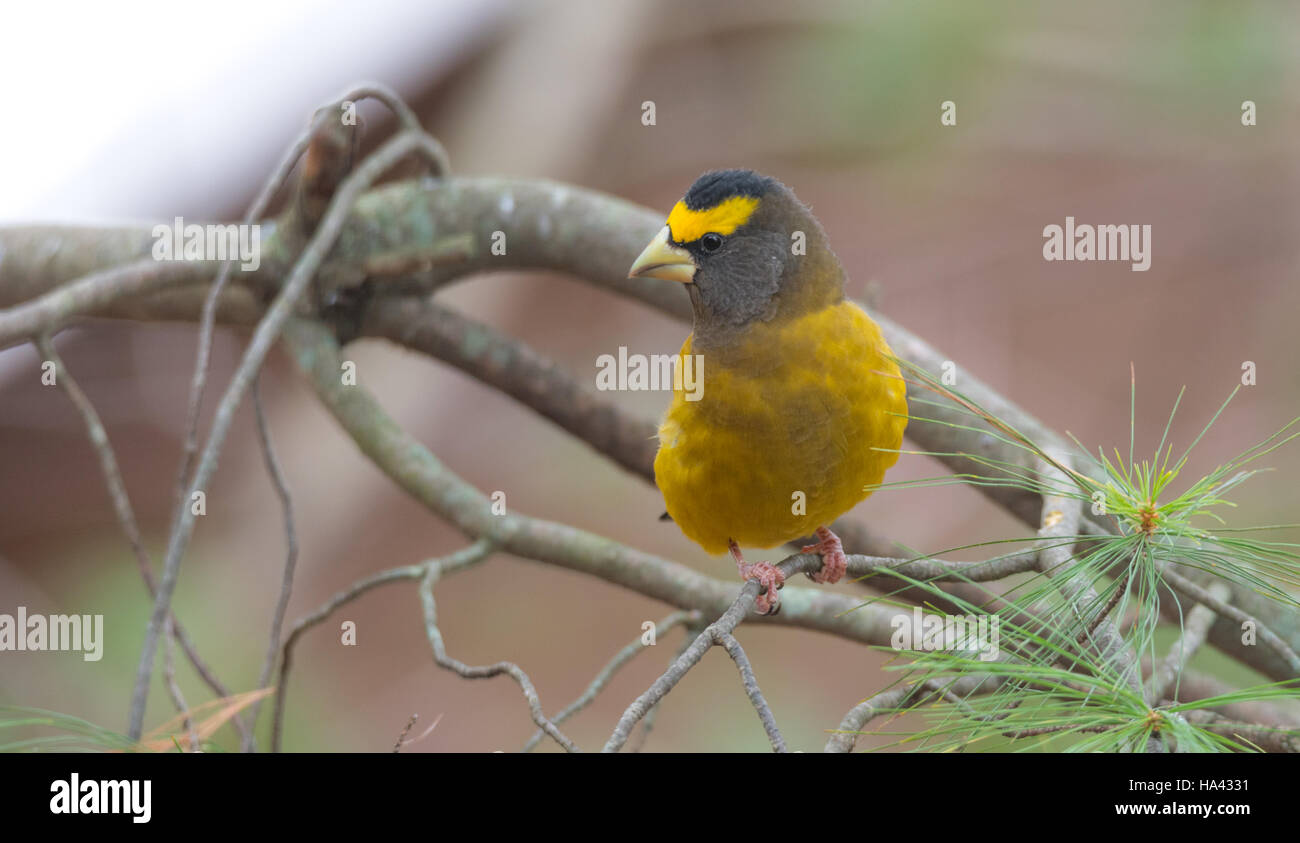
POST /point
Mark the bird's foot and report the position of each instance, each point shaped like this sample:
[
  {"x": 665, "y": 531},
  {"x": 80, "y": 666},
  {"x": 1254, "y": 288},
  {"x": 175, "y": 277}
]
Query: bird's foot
[
  {"x": 769, "y": 577},
  {"x": 834, "y": 562}
]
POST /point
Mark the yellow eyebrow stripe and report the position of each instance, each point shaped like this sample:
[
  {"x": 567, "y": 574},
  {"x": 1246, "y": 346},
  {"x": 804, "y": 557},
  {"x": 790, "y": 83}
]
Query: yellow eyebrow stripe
[{"x": 687, "y": 225}]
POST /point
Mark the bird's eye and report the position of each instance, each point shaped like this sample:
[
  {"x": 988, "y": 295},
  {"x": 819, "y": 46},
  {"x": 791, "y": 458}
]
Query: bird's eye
[{"x": 711, "y": 242}]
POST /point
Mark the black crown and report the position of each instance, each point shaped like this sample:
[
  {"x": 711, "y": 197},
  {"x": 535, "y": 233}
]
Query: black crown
[{"x": 716, "y": 186}]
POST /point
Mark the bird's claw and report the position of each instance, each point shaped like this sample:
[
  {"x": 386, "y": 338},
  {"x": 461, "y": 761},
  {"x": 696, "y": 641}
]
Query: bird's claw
[
  {"x": 834, "y": 562},
  {"x": 770, "y": 580}
]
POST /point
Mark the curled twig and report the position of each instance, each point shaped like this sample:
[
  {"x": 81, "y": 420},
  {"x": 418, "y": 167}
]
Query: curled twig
[
  {"x": 454, "y": 562},
  {"x": 482, "y": 671},
  {"x": 621, "y": 658}
]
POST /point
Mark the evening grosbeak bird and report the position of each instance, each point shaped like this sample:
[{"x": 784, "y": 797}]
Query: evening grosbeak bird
[{"x": 802, "y": 405}]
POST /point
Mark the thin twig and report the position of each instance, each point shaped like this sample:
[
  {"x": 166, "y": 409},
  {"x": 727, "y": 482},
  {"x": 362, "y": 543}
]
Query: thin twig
[
  {"x": 174, "y": 689},
  {"x": 1166, "y": 673},
  {"x": 729, "y": 643},
  {"x": 482, "y": 671},
  {"x": 397, "y": 747},
  {"x": 743, "y": 603},
  {"x": 1051, "y": 730},
  {"x": 938, "y": 570},
  {"x": 898, "y": 699},
  {"x": 1121, "y": 588},
  {"x": 1190, "y": 589},
  {"x": 421, "y": 736},
  {"x": 606, "y": 673},
  {"x": 715, "y": 634},
  {"x": 648, "y": 722},
  {"x": 291, "y": 553},
  {"x": 845, "y": 738},
  {"x": 123, "y": 510},
  {"x": 408, "y": 572},
  {"x": 461, "y": 559}
]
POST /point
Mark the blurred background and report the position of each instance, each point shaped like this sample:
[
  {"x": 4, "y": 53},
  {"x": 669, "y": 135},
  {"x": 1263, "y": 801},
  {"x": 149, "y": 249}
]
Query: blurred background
[{"x": 1109, "y": 112}]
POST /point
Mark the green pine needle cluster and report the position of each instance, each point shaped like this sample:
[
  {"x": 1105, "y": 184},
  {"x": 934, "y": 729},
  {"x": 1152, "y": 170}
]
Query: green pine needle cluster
[{"x": 1071, "y": 645}]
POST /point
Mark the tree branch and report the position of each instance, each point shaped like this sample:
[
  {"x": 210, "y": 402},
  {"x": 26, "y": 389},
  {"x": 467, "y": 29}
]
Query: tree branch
[
  {"x": 126, "y": 515},
  {"x": 1227, "y": 610},
  {"x": 1166, "y": 672},
  {"x": 471, "y": 555},
  {"x": 621, "y": 658},
  {"x": 716, "y": 633},
  {"x": 898, "y": 699},
  {"x": 92, "y": 293},
  {"x": 483, "y": 672},
  {"x": 267, "y": 330},
  {"x": 290, "y": 553}
]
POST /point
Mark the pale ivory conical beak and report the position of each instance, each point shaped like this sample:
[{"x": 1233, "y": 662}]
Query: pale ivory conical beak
[{"x": 661, "y": 259}]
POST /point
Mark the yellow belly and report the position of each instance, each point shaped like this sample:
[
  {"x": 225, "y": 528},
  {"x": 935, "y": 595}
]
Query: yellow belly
[{"x": 784, "y": 436}]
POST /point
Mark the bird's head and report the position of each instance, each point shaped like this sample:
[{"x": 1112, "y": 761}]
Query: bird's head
[{"x": 747, "y": 249}]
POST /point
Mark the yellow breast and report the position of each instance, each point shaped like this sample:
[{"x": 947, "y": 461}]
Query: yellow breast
[{"x": 785, "y": 433}]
